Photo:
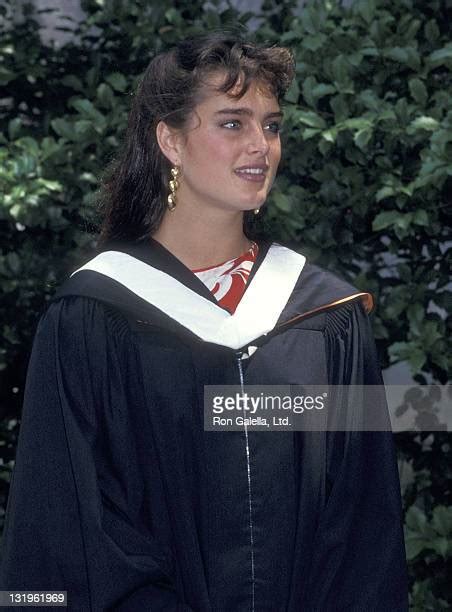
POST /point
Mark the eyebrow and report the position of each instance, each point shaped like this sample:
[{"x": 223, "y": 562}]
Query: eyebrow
[{"x": 246, "y": 111}]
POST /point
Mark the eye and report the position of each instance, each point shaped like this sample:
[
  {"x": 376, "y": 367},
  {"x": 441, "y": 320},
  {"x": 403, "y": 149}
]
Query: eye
[
  {"x": 231, "y": 125},
  {"x": 274, "y": 127}
]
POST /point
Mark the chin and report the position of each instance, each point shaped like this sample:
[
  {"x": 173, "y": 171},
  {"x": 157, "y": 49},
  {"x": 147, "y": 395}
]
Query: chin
[{"x": 256, "y": 202}]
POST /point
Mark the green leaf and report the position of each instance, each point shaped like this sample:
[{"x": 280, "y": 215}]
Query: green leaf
[
  {"x": 117, "y": 81},
  {"x": 92, "y": 77},
  {"x": 49, "y": 147},
  {"x": 416, "y": 314},
  {"x": 293, "y": 93},
  {"x": 362, "y": 138},
  {"x": 404, "y": 55},
  {"x": 384, "y": 192},
  {"x": 370, "y": 52},
  {"x": 13, "y": 261},
  {"x": 414, "y": 545},
  {"x": 421, "y": 218},
  {"x": 174, "y": 17},
  {"x": 311, "y": 119},
  {"x": 441, "y": 56},
  {"x": 16, "y": 211},
  {"x": 84, "y": 106},
  {"x": 63, "y": 128},
  {"x": 398, "y": 54},
  {"x": 418, "y": 91},
  {"x": 322, "y": 89},
  {"x": 415, "y": 519},
  {"x": 430, "y": 334},
  {"x": 384, "y": 219},
  {"x": 370, "y": 100},
  {"x": 212, "y": 19},
  {"x": 440, "y": 546},
  {"x": 423, "y": 123},
  {"x": 411, "y": 31},
  {"x": 282, "y": 202},
  {"x": 366, "y": 8},
  {"x": 88, "y": 111},
  {"x": 310, "y": 20},
  {"x": 340, "y": 69},
  {"x": 289, "y": 36},
  {"x": 355, "y": 123},
  {"x": 442, "y": 520},
  {"x": 330, "y": 135},
  {"x": 310, "y": 133},
  {"x": 313, "y": 42},
  {"x": 82, "y": 129},
  {"x": 416, "y": 359},
  {"x": 14, "y": 127},
  {"x": 307, "y": 88},
  {"x": 432, "y": 32},
  {"x": 340, "y": 108},
  {"x": 50, "y": 185},
  {"x": 387, "y": 114},
  {"x": 324, "y": 147},
  {"x": 30, "y": 145},
  {"x": 6, "y": 76},
  {"x": 105, "y": 95},
  {"x": 70, "y": 80}
]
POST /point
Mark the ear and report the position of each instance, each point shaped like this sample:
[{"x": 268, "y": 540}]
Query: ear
[{"x": 169, "y": 142}]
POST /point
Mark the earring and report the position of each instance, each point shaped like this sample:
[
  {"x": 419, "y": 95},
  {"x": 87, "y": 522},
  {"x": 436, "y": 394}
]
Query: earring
[
  {"x": 173, "y": 185},
  {"x": 256, "y": 211}
]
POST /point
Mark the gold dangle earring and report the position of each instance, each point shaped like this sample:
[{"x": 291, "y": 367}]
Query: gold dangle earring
[{"x": 173, "y": 185}]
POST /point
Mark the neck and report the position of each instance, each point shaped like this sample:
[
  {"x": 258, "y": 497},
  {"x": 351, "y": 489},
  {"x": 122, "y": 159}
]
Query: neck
[{"x": 202, "y": 240}]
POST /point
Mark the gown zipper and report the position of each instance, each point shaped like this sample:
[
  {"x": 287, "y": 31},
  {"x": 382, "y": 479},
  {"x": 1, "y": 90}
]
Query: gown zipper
[{"x": 239, "y": 356}]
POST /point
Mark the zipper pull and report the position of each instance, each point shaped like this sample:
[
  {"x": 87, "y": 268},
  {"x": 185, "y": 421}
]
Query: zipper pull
[{"x": 246, "y": 353}]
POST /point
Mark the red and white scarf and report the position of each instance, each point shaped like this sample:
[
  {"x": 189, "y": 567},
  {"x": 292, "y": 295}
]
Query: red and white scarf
[{"x": 227, "y": 281}]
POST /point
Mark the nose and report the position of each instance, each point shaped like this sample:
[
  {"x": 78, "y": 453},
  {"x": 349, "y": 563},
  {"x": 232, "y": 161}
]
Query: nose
[{"x": 258, "y": 142}]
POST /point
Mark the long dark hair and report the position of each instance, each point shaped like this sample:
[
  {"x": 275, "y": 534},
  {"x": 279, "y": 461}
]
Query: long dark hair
[{"x": 134, "y": 190}]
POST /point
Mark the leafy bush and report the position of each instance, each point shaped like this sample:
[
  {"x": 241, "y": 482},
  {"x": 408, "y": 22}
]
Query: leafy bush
[
  {"x": 367, "y": 181},
  {"x": 364, "y": 187},
  {"x": 429, "y": 547}
]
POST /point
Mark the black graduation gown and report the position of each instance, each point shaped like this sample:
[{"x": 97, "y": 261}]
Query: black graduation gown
[{"x": 122, "y": 499}]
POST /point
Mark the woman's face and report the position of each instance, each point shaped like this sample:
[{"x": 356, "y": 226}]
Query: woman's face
[{"x": 231, "y": 149}]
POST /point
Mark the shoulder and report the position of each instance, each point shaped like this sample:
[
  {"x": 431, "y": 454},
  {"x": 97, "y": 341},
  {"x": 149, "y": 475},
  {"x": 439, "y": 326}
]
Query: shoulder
[
  {"x": 90, "y": 292},
  {"x": 347, "y": 319},
  {"x": 318, "y": 289},
  {"x": 73, "y": 321},
  {"x": 334, "y": 287}
]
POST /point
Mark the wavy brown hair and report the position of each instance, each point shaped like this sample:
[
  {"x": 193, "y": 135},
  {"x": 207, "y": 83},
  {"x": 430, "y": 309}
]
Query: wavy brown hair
[{"x": 134, "y": 190}]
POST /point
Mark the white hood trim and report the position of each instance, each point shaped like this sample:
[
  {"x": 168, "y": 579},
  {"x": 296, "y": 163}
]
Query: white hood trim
[{"x": 256, "y": 314}]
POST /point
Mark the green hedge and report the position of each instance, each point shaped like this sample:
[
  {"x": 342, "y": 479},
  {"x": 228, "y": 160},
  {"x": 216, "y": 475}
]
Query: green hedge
[{"x": 364, "y": 187}]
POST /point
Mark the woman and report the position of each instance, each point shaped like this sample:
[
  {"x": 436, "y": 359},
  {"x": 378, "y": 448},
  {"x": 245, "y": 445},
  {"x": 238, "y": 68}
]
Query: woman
[{"x": 120, "y": 497}]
